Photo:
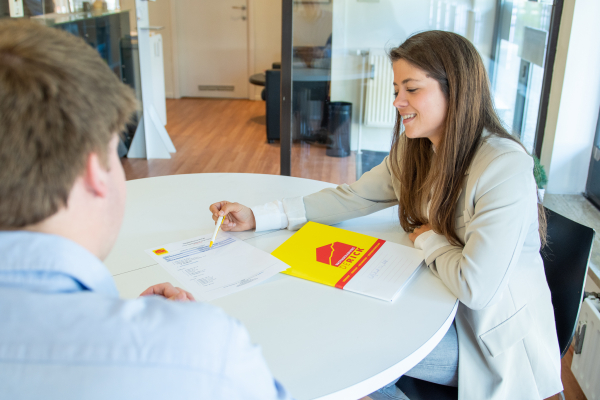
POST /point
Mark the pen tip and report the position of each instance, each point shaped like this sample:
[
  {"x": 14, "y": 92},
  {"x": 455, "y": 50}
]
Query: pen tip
[{"x": 210, "y": 245}]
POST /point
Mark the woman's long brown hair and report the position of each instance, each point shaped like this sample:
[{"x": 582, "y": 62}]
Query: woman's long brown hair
[{"x": 454, "y": 62}]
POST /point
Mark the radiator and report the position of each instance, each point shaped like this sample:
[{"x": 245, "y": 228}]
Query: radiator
[
  {"x": 586, "y": 364},
  {"x": 379, "y": 111}
]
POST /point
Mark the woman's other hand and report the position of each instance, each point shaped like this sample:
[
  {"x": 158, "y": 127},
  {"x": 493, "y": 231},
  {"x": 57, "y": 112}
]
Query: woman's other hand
[
  {"x": 238, "y": 217},
  {"x": 415, "y": 234}
]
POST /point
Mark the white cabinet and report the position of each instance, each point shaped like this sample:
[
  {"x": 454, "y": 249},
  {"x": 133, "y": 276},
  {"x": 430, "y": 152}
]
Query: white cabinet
[{"x": 586, "y": 364}]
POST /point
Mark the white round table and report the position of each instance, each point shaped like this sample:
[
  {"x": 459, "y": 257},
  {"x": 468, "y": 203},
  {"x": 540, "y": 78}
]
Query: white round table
[{"x": 320, "y": 342}]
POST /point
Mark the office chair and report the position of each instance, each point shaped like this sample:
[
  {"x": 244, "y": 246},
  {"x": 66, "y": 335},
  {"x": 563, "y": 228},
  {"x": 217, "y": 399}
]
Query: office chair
[
  {"x": 566, "y": 259},
  {"x": 272, "y": 89}
]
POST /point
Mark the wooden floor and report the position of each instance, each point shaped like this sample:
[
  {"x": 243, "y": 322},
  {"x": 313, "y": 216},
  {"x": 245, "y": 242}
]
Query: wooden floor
[
  {"x": 215, "y": 135},
  {"x": 230, "y": 136},
  {"x": 572, "y": 389}
]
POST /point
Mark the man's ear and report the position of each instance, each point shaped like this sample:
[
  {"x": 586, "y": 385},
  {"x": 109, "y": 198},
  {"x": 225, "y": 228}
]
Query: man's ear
[{"x": 95, "y": 177}]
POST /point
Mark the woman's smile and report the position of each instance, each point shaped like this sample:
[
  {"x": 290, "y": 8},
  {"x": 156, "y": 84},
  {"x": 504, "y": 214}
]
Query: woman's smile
[{"x": 407, "y": 118}]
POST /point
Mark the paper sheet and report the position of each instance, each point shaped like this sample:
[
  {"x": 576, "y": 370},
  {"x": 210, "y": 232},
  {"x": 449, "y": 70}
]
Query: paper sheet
[
  {"x": 390, "y": 269},
  {"x": 229, "y": 266}
]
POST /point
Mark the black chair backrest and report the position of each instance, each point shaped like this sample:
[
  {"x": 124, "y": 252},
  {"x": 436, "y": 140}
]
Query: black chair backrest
[
  {"x": 566, "y": 259},
  {"x": 272, "y": 89}
]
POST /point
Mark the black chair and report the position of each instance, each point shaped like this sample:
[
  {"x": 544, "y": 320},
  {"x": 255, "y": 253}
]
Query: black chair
[
  {"x": 566, "y": 259},
  {"x": 272, "y": 88},
  {"x": 416, "y": 389}
]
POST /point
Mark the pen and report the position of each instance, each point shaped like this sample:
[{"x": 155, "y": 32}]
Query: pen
[{"x": 214, "y": 236}]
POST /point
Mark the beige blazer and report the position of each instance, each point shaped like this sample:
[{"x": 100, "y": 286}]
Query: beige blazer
[{"x": 508, "y": 348}]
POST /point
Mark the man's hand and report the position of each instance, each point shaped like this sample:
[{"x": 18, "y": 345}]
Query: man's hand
[
  {"x": 237, "y": 216},
  {"x": 422, "y": 229},
  {"x": 168, "y": 291}
]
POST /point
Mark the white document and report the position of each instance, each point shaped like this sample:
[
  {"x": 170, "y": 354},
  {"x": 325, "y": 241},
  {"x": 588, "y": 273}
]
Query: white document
[
  {"x": 229, "y": 266},
  {"x": 387, "y": 272}
]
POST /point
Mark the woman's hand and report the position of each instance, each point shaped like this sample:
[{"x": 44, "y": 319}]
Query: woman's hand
[
  {"x": 169, "y": 292},
  {"x": 415, "y": 234},
  {"x": 237, "y": 216}
]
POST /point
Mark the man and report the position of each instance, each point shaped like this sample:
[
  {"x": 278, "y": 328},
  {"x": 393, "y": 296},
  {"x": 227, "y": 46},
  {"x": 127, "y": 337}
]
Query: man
[{"x": 64, "y": 332}]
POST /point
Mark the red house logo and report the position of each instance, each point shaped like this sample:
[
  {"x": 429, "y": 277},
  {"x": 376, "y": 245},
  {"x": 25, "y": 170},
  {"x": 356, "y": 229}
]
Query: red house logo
[{"x": 338, "y": 254}]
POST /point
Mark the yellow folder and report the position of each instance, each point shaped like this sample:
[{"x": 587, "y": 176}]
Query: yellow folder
[{"x": 327, "y": 255}]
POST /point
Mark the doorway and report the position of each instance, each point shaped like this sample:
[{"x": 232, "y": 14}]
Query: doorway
[{"x": 212, "y": 47}]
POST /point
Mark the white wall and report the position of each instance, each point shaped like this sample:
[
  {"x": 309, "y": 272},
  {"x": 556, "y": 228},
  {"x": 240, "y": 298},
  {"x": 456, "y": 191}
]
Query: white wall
[
  {"x": 264, "y": 36},
  {"x": 590, "y": 285},
  {"x": 160, "y": 15},
  {"x": 574, "y": 98},
  {"x": 312, "y": 23},
  {"x": 130, "y": 5},
  {"x": 387, "y": 23}
]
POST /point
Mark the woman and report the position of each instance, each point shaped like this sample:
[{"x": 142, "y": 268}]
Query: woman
[{"x": 466, "y": 192}]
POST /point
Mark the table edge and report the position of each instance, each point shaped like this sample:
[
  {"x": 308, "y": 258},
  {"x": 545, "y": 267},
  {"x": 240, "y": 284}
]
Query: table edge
[
  {"x": 368, "y": 386},
  {"x": 228, "y": 174}
]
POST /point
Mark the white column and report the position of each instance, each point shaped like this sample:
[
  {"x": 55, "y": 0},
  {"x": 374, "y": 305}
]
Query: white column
[
  {"x": 151, "y": 139},
  {"x": 574, "y": 98}
]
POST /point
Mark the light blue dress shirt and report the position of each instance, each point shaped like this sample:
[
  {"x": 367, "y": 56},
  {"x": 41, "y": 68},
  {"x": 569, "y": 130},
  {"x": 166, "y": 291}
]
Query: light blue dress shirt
[{"x": 65, "y": 334}]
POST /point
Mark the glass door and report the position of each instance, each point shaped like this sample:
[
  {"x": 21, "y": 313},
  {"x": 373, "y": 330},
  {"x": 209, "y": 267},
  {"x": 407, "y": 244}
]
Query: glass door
[{"x": 338, "y": 120}]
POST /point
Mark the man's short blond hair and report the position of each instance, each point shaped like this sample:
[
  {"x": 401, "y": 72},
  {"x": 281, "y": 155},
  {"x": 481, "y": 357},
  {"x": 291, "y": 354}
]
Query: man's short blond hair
[{"x": 59, "y": 102}]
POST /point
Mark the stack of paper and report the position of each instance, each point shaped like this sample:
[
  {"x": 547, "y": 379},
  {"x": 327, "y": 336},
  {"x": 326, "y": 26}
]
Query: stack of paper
[
  {"x": 229, "y": 266},
  {"x": 349, "y": 260}
]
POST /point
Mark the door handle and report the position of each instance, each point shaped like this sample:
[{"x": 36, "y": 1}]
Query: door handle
[{"x": 239, "y": 8}]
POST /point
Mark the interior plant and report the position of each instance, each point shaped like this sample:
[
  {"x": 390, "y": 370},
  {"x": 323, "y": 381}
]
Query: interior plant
[{"x": 539, "y": 173}]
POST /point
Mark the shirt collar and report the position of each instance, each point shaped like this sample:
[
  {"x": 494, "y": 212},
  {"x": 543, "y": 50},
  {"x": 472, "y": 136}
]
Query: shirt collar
[{"x": 24, "y": 251}]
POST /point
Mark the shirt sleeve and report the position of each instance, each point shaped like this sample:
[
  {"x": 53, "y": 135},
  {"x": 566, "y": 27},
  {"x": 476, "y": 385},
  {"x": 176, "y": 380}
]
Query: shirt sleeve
[
  {"x": 288, "y": 213},
  {"x": 422, "y": 239},
  {"x": 270, "y": 216}
]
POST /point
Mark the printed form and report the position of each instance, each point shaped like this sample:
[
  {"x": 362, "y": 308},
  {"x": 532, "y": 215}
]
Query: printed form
[
  {"x": 229, "y": 266},
  {"x": 388, "y": 272}
]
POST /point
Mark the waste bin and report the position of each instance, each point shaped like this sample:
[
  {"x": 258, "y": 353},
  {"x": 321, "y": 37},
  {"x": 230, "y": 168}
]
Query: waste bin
[{"x": 338, "y": 137}]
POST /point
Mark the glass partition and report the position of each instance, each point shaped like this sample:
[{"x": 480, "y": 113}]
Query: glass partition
[
  {"x": 519, "y": 69},
  {"x": 41, "y": 7},
  {"x": 108, "y": 32},
  {"x": 341, "y": 113},
  {"x": 105, "y": 26}
]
